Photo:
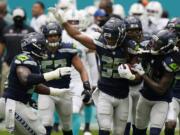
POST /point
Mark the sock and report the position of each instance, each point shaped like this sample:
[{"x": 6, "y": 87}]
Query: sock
[
  {"x": 127, "y": 129},
  {"x": 67, "y": 132},
  {"x": 155, "y": 131},
  {"x": 137, "y": 131},
  {"x": 76, "y": 123},
  {"x": 48, "y": 130},
  {"x": 35, "y": 96},
  {"x": 56, "y": 118},
  {"x": 104, "y": 132},
  {"x": 169, "y": 131},
  {"x": 88, "y": 115}
]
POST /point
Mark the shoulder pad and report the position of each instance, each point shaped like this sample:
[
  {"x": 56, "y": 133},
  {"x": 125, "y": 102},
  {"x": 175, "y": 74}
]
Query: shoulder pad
[
  {"x": 68, "y": 45},
  {"x": 23, "y": 59},
  {"x": 170, "y": 65},
  {"x": 99, "y": 42}
]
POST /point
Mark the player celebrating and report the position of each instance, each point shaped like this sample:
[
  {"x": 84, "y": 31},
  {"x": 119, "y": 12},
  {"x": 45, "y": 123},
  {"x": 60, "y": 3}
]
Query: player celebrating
[
  {"x": 60, "y": 55},
  {"x": 111, "y": 97},
  {"x": 155, "y": 95},
  {"x": 173, "y": 113},
  {"x": 23, "y": 79},
  {"x": 134, "y": 37}
]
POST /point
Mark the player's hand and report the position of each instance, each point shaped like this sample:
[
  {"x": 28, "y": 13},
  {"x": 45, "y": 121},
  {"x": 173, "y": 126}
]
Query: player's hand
[
  {"x": 138, "y": 68},
  {"x": 61, "y": 92},
  {"x": 86, "y": 94},
  {"x": 56, "y": 74},
  {"x": 125, "y": 72},
  {"x": 33, "y": 104},
  {"x": 86, "y": 97},
  {"x": 58, "y": 14}
]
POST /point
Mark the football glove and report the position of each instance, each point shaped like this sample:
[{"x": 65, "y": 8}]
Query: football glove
[
  {"x": 33, "y": 104},
  {"x": 86, "y": 94},
  {"x": 125, "y": 72},
  {"x": 138, "y": 68},
  {"x": 56, "y": 74},
  {"x": 58, "y": 14}
]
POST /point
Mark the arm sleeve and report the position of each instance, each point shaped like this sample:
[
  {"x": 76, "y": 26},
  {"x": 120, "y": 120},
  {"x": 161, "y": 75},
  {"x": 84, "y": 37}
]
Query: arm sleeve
[{"x": 94, "y": 75}]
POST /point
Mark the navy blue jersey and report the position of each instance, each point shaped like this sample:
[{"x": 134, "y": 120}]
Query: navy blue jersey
[
  {"x": 15, "y": 90},
  {"x": 61, "y": 58},
  {"x": 176, "y": 88},
  {"x": 110, "y": 81},
  {"x": 155, "y": 69}
]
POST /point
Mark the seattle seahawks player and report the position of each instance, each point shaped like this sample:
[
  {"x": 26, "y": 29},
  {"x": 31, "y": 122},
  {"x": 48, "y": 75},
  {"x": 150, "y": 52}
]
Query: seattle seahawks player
[
  {"x": 174, "y": 110},
  {"x": 155, "y": 96},
  {"x": 60, "y": 54},
  {"x": 133, "y": 38},
  {"x": 111, "y": 96},
  {"x": 23, "y": 79}
]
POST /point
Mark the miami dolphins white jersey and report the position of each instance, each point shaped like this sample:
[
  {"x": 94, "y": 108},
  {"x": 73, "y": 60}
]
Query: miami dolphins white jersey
[
  {"x": 153, "y": 26},
  {"x": 38, "y": 22},
  {"x": 94, "y": 30},
  {"x": 88, "y": 59}
]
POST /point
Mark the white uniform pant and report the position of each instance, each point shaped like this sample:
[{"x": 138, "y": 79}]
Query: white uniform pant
[
  {"x": 150, "y": 112},
  {"x": 47, "y": 106},
  {"x": 134, "y": 95},
  {"x": 77, "y": 88},
  {"x": 111, "y": 111},
  {"x": 174, "y": 110},
  {"x": 27, "y": 121}
]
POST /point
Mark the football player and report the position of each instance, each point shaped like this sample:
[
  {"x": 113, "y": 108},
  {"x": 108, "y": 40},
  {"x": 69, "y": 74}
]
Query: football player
[
  {"x": 155, "y": 22},
  {"x": 60, "y": 54},
  {"x": 111, "y": 96},
  {"x": 79, "y": 20},
  {"x": 24, "y": 78},
  {"x": 155, "y": 96},
  {"x": 134, "y": 37},
  {"x": 174, "y": 110}
]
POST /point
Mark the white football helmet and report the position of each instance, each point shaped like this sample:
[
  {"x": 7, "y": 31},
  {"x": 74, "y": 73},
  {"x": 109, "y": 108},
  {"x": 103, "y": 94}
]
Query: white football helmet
[
  {"x": 119, "y": 10},
  {"x": 65, "y": 4},
  {"x": 84, "y": 20},
  {"x": 90, "y": 10},
  {"x": 154, "y": 9},
  {"x": 72, "y": 16},
  {"x": 137, "y": 10}
]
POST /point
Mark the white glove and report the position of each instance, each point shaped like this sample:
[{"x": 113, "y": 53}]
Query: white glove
[
  {"x": 138, "y": 68},
  {"x": 125, "y": 72},
  {"x": 60, "y": 92},
  {"x": 56, "y": 74},
  {"x": 58, "y": 14}
]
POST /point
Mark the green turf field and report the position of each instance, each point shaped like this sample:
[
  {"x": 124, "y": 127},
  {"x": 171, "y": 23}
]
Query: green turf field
[{"x": 94, "y": 133}]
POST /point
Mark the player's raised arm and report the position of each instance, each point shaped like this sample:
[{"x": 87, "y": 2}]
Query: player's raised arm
[{"x": 73, "y": 32}]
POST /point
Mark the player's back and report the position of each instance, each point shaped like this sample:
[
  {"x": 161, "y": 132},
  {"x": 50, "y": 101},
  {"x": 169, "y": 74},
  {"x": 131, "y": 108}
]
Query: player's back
[{"x": 15, "y": 89}]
